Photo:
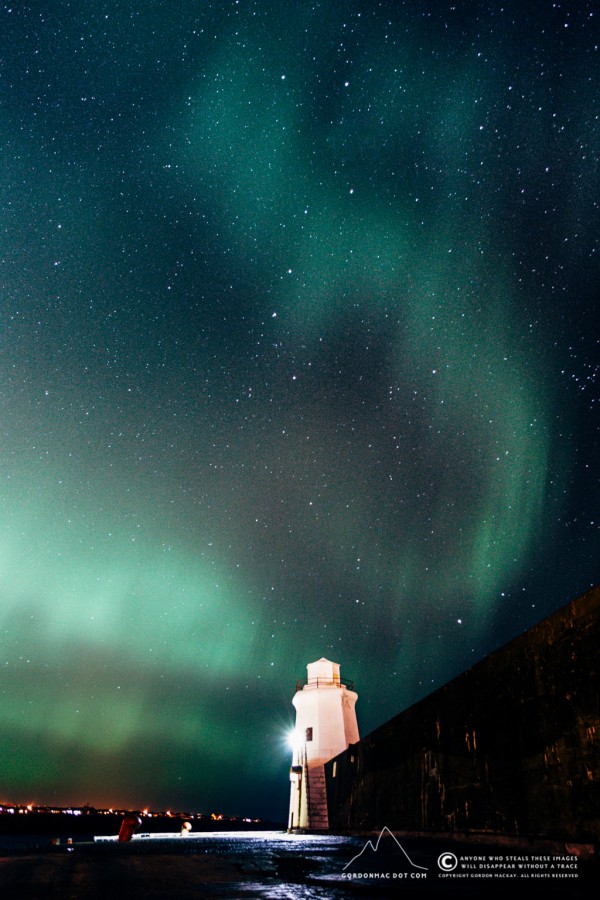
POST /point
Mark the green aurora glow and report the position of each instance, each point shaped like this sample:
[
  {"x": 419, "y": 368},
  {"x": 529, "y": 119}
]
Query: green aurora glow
[{"x": 297, "y": 357}]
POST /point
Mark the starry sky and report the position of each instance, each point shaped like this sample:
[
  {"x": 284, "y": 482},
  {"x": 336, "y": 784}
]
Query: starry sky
[{"x": 299, "y": 357}]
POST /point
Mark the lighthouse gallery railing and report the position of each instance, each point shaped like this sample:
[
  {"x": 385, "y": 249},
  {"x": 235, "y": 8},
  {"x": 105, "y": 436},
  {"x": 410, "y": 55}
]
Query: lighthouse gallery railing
[{"x": 324, "y": 682}]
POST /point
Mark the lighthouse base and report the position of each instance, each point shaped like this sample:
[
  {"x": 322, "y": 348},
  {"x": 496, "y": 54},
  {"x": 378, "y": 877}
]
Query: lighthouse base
[{"x": 308, "y": 801}]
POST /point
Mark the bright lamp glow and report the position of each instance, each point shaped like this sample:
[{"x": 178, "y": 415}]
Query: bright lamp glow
[{"x": 294, "y": 740}]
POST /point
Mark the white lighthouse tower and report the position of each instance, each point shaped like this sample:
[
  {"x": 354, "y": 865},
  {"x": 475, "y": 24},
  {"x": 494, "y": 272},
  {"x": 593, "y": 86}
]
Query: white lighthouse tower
[{"x": 325, "y": 726}]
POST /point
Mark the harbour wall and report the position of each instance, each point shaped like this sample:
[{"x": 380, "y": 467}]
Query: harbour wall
[{"x": 510, "y": 747}]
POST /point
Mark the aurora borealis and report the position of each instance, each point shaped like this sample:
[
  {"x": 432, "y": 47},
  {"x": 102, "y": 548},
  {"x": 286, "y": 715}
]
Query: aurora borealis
[{"x": 299, "y": 357}]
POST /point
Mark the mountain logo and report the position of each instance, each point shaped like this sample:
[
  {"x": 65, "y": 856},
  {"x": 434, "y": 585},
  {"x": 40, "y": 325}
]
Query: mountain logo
[{"x": 375, "y": 847}]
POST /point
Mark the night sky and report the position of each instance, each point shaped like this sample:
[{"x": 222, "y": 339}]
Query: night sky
[{"x": 299, "y": 357}]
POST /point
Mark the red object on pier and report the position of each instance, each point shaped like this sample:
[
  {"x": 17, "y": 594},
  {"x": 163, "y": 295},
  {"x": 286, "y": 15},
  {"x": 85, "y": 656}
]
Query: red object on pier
[{"x": 129, "y": 826}]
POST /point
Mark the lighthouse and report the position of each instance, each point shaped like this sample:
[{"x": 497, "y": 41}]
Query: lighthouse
[{"x": 325, "y": 726}]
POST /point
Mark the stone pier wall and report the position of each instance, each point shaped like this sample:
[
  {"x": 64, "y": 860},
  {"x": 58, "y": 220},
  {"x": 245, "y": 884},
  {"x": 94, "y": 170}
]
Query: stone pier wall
[{"x": 511, "y": 746}]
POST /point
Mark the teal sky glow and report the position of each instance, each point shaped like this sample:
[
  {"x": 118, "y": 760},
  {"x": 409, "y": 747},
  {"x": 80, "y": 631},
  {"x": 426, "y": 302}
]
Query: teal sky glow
[{"x": 298, "y": 358}]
